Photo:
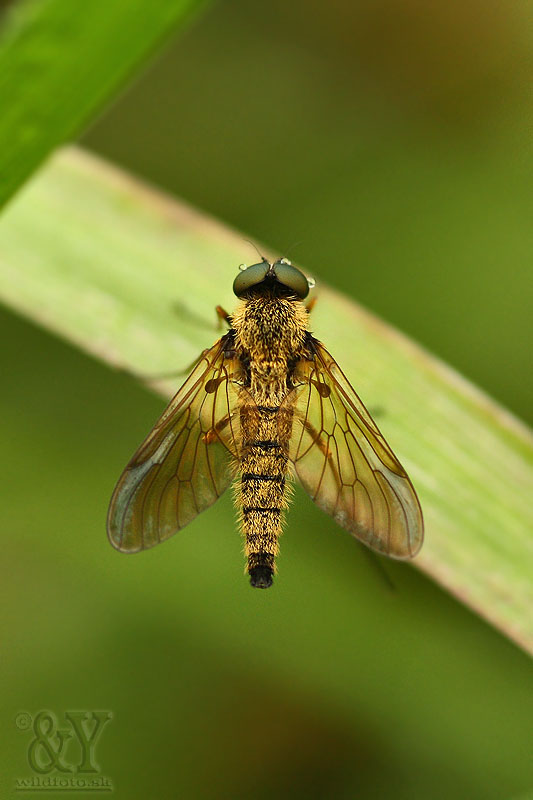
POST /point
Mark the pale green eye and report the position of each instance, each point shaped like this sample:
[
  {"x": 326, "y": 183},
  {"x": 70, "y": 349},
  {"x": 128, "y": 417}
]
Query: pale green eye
[
  {"x": 250, "y": 277},
  {"x": 291, "y": 277},
  {"x": 281, "y": 272}
]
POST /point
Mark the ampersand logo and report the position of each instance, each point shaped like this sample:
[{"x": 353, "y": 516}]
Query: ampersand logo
[
  {"x": 66, "y": 750},
  {"x": 45, "y": 752}
]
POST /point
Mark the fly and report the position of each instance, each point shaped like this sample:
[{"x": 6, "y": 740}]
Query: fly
[{"x": 265, "y": 404}]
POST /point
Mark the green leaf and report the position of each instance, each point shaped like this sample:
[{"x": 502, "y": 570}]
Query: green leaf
[
  {"x": 61, "y": 61},
  {"x": 133, "y": 276}
]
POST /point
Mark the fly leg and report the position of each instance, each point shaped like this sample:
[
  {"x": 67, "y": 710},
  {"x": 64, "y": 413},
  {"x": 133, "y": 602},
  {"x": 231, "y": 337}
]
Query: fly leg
[
  {"x": 318, "y": 439},
  {"x": 246, "y": 413},
  {"x": 213, "y": 433},
  {"x": 223, "y": 316},
  {"x": 164, "y": 376}
]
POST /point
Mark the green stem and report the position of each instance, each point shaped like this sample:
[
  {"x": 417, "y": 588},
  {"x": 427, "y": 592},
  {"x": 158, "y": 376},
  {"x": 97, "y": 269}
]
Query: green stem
[{"x": 133, "y": 276}]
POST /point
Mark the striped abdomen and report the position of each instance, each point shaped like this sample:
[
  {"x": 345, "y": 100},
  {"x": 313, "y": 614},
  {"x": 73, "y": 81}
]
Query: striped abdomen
[{"x": 262, "y": 493}]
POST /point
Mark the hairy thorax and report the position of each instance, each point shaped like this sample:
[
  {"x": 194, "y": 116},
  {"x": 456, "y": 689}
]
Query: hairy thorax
[{"x": 270, "y": 332}]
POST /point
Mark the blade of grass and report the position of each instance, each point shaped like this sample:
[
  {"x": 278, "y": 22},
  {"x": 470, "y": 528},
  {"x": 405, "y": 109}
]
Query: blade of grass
[
  {"x": 132, "y": 276},
  {"x": 60, "y": 62}
]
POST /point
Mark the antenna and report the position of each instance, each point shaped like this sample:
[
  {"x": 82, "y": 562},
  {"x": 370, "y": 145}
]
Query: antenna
[
  {"x": 261, "y": 256},
  {"x": 293, "y": 245}
]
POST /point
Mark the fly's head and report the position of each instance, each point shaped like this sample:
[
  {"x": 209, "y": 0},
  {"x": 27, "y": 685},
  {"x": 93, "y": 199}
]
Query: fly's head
[{"x": 277, "y": 277}]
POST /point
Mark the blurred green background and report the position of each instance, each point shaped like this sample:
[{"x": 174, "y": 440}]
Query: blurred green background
[{"x": 387, "y": 146}]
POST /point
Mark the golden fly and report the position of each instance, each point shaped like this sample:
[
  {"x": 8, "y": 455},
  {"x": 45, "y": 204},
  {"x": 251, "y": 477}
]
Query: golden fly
[{"x": 264, "y": 404}]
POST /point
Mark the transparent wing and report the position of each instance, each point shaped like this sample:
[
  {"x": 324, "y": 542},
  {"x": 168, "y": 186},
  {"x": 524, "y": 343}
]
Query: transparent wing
[
  {"x": 345, "y": 464},
  {"x": 186, "y": 462}
]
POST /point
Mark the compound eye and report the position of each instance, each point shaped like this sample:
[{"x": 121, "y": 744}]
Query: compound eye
[
  {"x": 250, "y": 277},
  {"x": 292, "y": 278}
]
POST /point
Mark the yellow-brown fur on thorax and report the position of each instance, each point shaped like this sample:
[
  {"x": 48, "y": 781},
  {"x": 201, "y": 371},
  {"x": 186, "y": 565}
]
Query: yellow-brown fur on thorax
[{"x": 270, "y": 332}]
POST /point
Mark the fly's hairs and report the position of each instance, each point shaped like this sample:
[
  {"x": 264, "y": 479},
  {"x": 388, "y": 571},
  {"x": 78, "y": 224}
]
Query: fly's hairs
[
  {"x": 270, "y": 336},
  {"x": 265, "y": 403}
]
